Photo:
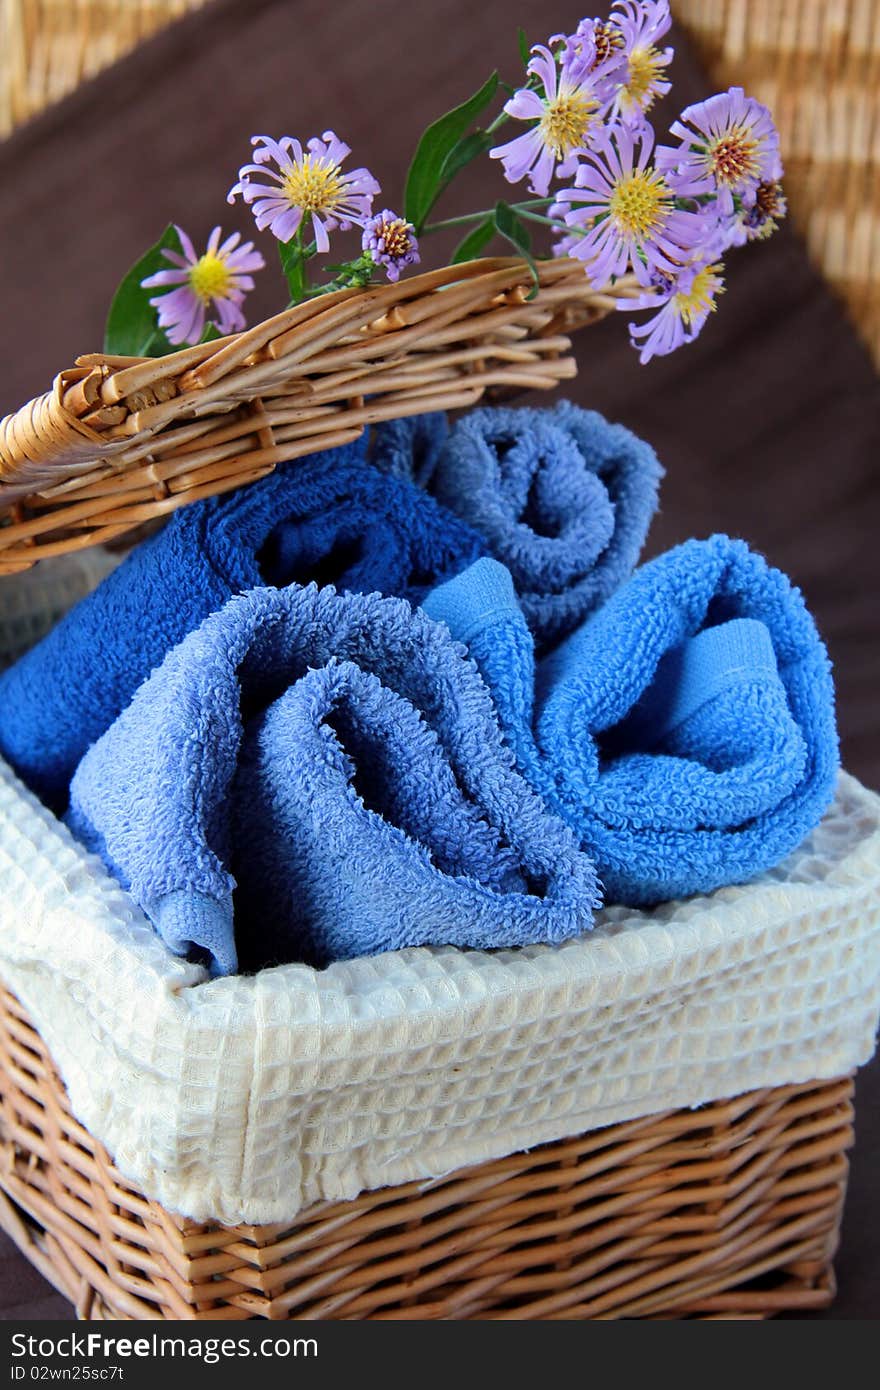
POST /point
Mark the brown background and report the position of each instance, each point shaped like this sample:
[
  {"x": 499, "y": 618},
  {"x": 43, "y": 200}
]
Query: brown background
[{"x": 769, "y": 426}]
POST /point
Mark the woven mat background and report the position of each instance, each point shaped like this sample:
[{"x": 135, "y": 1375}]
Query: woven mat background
[
  {"x": 816, "y": 63},
  {"x": 47, "y": 47}
]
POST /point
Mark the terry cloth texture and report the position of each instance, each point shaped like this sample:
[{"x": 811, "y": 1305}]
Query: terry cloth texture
[
  {"x": 561, "y": 497},
  {"x": 247, "y": 1098},
  {"x": 686, "y": 731},
  {"x": 329, "y": 518},
  {"x": 327, "y": 771}
]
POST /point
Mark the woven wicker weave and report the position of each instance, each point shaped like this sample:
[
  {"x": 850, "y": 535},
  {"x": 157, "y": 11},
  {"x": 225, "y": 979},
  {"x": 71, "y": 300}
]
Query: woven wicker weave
[
  {"x": 122, "y": 441},
  {"x": 49, "y": 46},
  {"x": 816, "y": 63},
  {"x": 728, "y": 1211}
]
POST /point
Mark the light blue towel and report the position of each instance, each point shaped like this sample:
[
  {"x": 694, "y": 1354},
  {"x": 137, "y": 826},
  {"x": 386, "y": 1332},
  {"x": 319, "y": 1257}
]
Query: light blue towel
[
  {"x": 686, "y": 731},
  {"x": 329, "y": 518},
  {"x": 561, "y": 497},
  {"x": 327, "y": 772}
]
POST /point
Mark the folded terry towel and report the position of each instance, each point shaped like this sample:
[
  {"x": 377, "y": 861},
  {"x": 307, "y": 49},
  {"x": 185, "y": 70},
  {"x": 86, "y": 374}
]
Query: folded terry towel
[
  {"x": 339, "y": 759},
  {"x": 686, "y": 731},
  {"x": 329, "y": 518},
  {"x": 563, "y": 498}
]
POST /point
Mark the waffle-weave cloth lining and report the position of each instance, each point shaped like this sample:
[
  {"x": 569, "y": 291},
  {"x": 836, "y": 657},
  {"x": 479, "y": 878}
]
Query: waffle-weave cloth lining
[
  {"x": 31, "y": 604},
  {"x": 245, "y": 1099}
]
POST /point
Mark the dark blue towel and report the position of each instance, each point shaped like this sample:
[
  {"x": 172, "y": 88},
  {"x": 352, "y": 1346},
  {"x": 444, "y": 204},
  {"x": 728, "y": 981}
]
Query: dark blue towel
[
  {"x": 686, "y": 730},
  {"x": 561, "y": 497},
  {"x": 330, "y": 518},
  {"x": 328, "y": 770}
]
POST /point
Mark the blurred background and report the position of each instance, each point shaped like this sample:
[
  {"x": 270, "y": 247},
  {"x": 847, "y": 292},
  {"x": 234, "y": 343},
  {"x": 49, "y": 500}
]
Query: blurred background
[{"x": 117, "y": 116}]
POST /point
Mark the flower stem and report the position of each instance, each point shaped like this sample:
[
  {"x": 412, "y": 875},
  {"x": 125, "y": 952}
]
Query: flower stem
[
  {"x": 455, "y": 221},
  {"x": 538, "y": 217},
  {"x": 481, "y": 216},
  {"x": 294, "y": 257},
  {"x": 298, "y": 242}
]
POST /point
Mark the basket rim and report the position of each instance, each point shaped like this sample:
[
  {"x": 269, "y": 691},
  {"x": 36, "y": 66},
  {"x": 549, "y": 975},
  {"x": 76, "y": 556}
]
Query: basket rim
[
  {"x": 385, "y": 294},
  {"x": 118, "y": 441}
]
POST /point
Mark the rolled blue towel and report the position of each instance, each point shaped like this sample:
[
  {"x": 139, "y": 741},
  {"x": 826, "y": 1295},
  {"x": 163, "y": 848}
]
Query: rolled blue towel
[
  {"x": 561, "y": 497},
  {"x": 330, "y": 518},
  {"x": 686, "y": 730},
  {"x": 312, "y": 776},
  {"x": 411, "y": 447}
]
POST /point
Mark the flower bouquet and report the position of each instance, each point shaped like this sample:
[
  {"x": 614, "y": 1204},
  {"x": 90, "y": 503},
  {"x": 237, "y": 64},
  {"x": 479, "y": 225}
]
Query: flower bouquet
[{"x": 186, "y": 401}]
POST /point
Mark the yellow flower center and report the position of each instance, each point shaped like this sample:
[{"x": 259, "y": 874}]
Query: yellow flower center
[
  {"x": 639, "y": 202},
  {"x": 645, "y": 68},
  {"x": 395, "y": 235},
  {"x": 768, "y": 199},
  {"x": 607, "y": 40},
  {"x": 565, "y": 122},
  {"x": 733, "y": 156},
  {"x": 315, "y": 185},
  {"x": 210, "y": 278},
  {"x": 700, "y": 298}
]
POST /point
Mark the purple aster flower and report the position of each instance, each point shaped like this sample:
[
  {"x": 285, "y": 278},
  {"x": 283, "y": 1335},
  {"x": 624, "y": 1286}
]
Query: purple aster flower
[
  {"x": 204, "y": 289},
  {"x": 685, "y": 300},
  {"x": 391, "y": 241},
  {"x": 595, "y": 49},
  {"x": 306, "y": 183},
  {"x": 729, "y": 145},
  {"x": 759, "y": 216},
  {"x": 565, "y": 112},
  {"x": 626, "y": 211},
  {"x": 640, "y": 23}
]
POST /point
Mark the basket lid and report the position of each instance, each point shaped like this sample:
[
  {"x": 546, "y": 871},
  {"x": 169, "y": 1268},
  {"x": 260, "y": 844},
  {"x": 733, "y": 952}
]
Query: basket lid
[{"x": 121, "y": 441}]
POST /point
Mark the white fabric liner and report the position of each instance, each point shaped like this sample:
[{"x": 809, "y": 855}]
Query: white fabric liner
[
  {"x": 246, "y": 1099},
  {"x": 32, "y": 602}
]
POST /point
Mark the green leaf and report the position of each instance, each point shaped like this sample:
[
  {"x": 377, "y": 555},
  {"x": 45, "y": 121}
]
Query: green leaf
[
  {"x": 473, "y": 243},
  {"x": 211, "y": 332},
  {"x": 462, "y": 153},
  {"x": 423, "y": 179},
  {"x": 294, "y": 266},
  {"x": 525, "y": 51},
  {"x": 132, "y": 328},
  {"x": 512, "y": 227},
  {"x": 514, "y": 230}
]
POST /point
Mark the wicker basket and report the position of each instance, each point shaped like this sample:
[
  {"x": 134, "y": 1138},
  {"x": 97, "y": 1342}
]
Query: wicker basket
[
  {"x": 732, "y": 1210},
  {"x": 728, "y": 1211},
  {"x": 119, "y": 441}
]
